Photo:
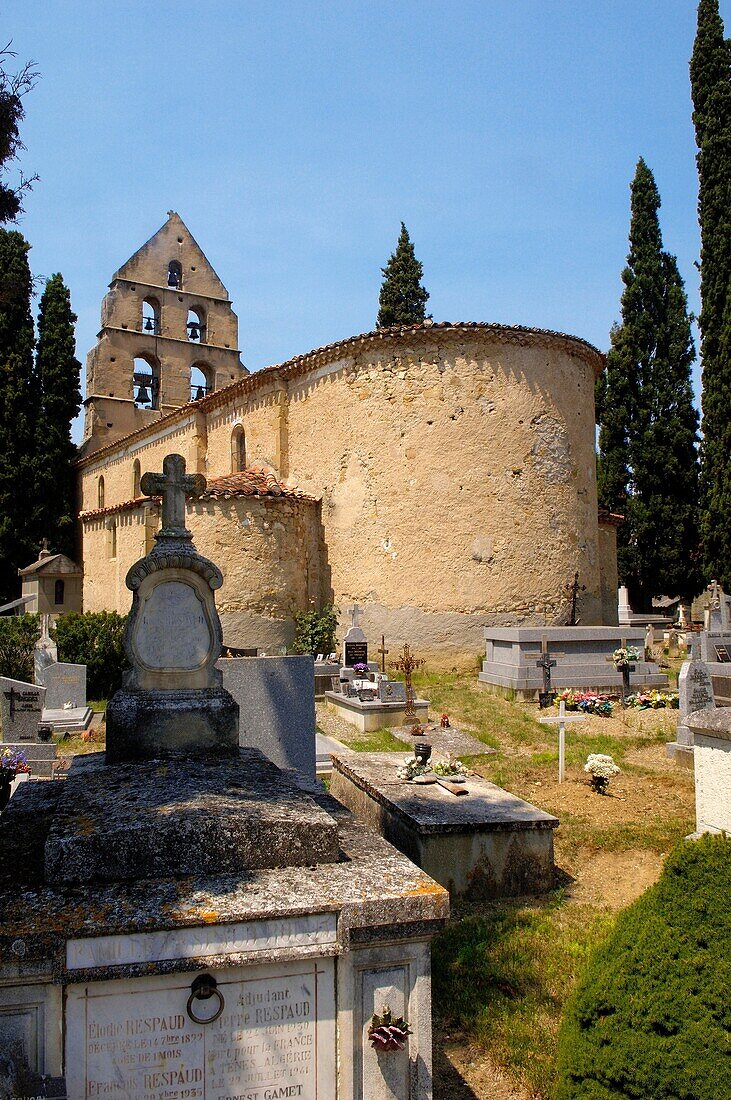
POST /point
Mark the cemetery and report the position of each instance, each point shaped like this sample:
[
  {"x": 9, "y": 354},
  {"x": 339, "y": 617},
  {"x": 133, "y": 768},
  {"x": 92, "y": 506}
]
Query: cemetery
[{"x": 365, "y": 711}]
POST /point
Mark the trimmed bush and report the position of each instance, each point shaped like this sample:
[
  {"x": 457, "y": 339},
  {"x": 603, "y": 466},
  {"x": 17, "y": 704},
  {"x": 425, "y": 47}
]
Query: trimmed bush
[
  {"x": 651, "y": 1018},
  {"x": 94, "y": 639},
  {"x": 18, "y": 636}
]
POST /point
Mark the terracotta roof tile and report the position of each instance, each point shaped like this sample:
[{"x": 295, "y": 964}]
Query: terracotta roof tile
[{"x": 255, "y": 481}]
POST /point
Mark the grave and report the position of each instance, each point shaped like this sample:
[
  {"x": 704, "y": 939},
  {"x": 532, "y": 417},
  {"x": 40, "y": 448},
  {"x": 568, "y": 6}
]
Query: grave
[
  {"x": 181, "y": 918},
  {"x": 65, "y": 684},
  {"x": 371, "y": 700},
  {"x": 629, "y": 618},
  {"x": 583, "y": 656},
  {"x": 276, "y": 698},
  {"x": 486, "y": 845},
  {"x": 21, "y": 712},
  {"x": 711, "y": 731},
  {"x": 695, "y": 692}
]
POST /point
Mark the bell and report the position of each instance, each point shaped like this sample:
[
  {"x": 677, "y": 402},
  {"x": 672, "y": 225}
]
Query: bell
[
  {"x": 200, "y": 392},
  {"x": 194, "y": 331},
  {"x": 149, "y": 324},
  {"x": 143, "y": 396},
  {"x": 173, "y": 279}
]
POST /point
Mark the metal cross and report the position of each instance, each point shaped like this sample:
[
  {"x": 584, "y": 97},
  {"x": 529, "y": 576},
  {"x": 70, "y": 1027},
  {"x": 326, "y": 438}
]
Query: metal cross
[
  {"x": 546, "y": 662},
  {"x": 574, "y": 590},
  {"x": 384, "y": 652},
  {"x": 354, "y": 613},
  {"x": 173, "y": 485},
  {"x": 407, "y": 663}
]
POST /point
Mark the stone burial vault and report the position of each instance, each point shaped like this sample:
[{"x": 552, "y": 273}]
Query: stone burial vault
[{"x": 180, "y": 917}]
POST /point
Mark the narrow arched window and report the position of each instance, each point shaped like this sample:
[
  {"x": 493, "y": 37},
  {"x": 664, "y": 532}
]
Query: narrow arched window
[
  {"x": 175, "y": 274},
  {"x": 113, "y": 541},
  {"x": 196, "y": 325},
  {"x": 100, "y": 493},
  {"x": 58, "y": 590},
  {"x": 146, "y": 382},
  {"x": 200, "y": 381},
  {"x": 151, "y": 317},
  {"x": 136, "y": 478},
  {"x": 238, "y": 449}
]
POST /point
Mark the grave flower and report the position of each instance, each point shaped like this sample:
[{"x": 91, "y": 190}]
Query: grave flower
[
  {"x": 411, "y": 767},
  {"x": 590, "y": 702},
  {"x": 361, "y": 669},
  {"x": 449, "y": 767},
  {"x": 601, "y": 768},
  {"x": 625, "y": 657},
  {"x": 12, "y": 762},
  {"x": 653, "y": 700},
  {"x": 388, "y": 1032}
]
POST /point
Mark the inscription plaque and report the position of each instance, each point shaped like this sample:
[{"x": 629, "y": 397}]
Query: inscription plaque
[
  {"x": 356, "y": 653},
  {"x": 275, "y": 1037},
  {"x": 172, "y": 631}
]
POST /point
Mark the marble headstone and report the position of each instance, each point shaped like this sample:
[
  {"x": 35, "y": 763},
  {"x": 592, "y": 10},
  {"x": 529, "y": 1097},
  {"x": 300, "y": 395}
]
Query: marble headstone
[
  {"x": 355, "y": 643},
  {"x": 695, "y": 690},
  {"x": 21, "y": 707},
  {"x": 64, "y": 683}
]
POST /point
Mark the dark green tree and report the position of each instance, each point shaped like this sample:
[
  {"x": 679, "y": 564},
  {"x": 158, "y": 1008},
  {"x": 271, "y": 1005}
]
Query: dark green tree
[
  {"x": 710, "y": 75},
  {"x": 58, "y": 372},
  {"x": 403, "y": 299},
  {"x": 19, "y": 407},
  {"x": 648, "y": 463},
  {"x": 13, "y": 86}
]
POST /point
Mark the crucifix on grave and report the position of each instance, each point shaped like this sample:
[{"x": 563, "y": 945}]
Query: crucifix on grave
[
  {"x": 173, "y": 485},
  {"x": 408, "y": 663},
  {"x": 383, "y": 652},
  {"x": 546, "y": 662},
  {"x": 573, "y": 590}
]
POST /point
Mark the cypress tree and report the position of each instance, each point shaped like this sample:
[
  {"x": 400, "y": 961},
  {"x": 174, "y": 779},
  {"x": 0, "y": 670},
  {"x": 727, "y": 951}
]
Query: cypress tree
[
  {"x": 19, "y": 404},
  {"x": 58, "y": 372},
  {"x": 403, "y": 299},
  {"x": 648, "y": 465},
  {"x": 710, "y": 74}
]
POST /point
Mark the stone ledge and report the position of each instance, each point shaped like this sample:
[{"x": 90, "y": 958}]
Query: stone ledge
[{"x": 711, "y": 722}]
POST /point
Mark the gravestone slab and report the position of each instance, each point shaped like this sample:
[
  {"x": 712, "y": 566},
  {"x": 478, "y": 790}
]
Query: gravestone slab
[
  {"x": 21, "y": 709},
  {"x": 64, "y": 683},
  {"x": 392, "y": 691},
  {"x": 355, "y": 643},
  {"x": 276, "y": 698},
  {"x": 695, "y": 691}
]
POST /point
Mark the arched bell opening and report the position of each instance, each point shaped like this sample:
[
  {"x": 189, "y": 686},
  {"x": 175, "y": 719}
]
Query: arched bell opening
[
  {"x": 146, "y": 382},
  {"x": 201, "y": 381},
  {"x": 196, "y": 325},
  {"x": 151, "y": 317},
  {"x": 175, "y": 274}
]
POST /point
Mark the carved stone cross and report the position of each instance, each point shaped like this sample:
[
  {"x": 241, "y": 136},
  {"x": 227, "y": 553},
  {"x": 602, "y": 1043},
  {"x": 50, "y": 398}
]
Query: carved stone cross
[
  {"x": 355, "y": 612},
  {"x": 173, "y": 485}
]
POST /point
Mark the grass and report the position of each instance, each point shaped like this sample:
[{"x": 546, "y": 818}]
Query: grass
[
  {"x": 487, "y": 717},
  {"x": 502, "y": 976},
  {"x": 98, "y": 705},
  {"x": 377, "y": 741}
]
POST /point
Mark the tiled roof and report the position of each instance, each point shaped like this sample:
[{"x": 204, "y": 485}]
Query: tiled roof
[
  {"x": 255, "y": 481},
  {"x": 300, "y": 364},
  {"x": 123, "y": 506}
]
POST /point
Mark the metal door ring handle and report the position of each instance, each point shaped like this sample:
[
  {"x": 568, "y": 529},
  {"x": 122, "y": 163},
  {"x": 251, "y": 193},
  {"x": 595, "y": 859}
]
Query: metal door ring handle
[{"x": 203, "y": 988}]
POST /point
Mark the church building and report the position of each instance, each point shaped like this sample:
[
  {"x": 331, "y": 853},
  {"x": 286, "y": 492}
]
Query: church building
[{"x": 441, "y": 475}]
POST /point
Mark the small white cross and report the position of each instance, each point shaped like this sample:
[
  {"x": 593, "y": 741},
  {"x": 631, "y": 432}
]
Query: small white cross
[{"x": 562, "y": 719}]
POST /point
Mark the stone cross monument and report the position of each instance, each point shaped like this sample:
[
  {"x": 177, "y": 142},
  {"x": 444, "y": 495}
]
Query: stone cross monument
[{"x": 172, "y": 700}]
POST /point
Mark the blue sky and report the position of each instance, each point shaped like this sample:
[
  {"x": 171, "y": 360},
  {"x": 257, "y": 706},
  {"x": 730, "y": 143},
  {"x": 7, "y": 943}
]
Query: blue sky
[{"x": 294, "y": 137}]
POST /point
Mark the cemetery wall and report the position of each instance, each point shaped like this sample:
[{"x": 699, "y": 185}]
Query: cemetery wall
[{"x": 456, "y": 469}]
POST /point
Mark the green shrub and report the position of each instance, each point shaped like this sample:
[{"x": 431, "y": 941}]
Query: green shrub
[
  {"x": 314, "y": 631},
  {"x": 18, "y": 636},
  {"x": 94, "y": 639},
  {"x": 652, "y": 1015}
]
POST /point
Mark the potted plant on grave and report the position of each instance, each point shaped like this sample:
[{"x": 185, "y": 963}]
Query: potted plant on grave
[
  {"x": 362, "y": 671},
  {"x": 12, "y": 762}
]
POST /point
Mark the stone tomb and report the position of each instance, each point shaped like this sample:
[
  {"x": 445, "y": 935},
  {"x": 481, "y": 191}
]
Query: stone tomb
[
  {"x": 583, "y": 657},
  {"x": 183, "y": 919},
  {"x": 488, "y": 843},
  {"x": 21, "y": 711},
  {"x": 711, "y": 730}
]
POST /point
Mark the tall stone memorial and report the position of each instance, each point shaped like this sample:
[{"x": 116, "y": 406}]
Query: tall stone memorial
[
  {"x": 695, "y": 691},
  {"x": 181, "y": 918}
]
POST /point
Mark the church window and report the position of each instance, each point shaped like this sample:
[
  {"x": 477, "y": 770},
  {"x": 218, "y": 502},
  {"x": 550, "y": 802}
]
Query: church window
[
  {"x": 113, "y": 541},
  {"x": 100, "y": 493},
  {"x": 146, "y": 382},
  {"x": 136, "y": 478},
  {"x": 196, "y": 326},
  {"x": 238, "y": 449},
  {"x": 175, "y": 274},
  {"x": 151, "y": 316},
  {"x": 58, "y": 589},
  {"x": 200, "y": 381}
]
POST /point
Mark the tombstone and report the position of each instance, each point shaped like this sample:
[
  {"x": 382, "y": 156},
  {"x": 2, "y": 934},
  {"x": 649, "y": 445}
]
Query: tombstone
[
  {"x": 392, "y": 691},
  {"x": 45, "y": 652},
  {"x": 65, "y": 707},
  {"x": 21, "y": 713},
  {"x": 181, "y": 918},
  {"x": 355, "y": 644},
  {"x": 624, "y": 608},
  {"x": 695, "y": 691}
]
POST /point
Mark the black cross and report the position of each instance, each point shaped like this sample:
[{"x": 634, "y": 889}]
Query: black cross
[
  {"x": 384, "y": 652},
  {"x": 574, "y": 589},
  {"x": 546, "y": 662}
]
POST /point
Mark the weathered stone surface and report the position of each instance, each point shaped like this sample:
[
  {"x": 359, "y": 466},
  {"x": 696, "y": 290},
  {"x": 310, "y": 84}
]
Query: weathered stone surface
[
  {"x": 153, "y": 819},
  {"x": 276, "y": 698},
  {"x": 711, "y": 730},
  {"x": 488, "y": 844},
  {"x": 155, "y": 724},
  {"x": 367, "y": 716}
]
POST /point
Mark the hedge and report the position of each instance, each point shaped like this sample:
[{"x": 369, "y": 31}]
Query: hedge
[
  {"x": 652, "y": 1016},
  {"x": 94, "y": 639}
]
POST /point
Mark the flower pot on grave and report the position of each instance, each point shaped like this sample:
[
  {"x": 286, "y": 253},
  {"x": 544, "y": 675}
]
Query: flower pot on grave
[{"x": 422, "y": 751}]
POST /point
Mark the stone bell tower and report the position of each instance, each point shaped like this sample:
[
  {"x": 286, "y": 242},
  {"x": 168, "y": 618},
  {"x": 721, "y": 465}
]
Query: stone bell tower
[{"x": 169, "y": 336}]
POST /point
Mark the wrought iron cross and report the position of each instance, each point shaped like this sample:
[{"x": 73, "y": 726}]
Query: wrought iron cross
[
  {"x": 173, "y": 485},
  {"x": 384, "y": 652},
  {"x": 574, "y": 590},
  {"x": 546, "y": 662},
  {"x": 408, "y": 663}
]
